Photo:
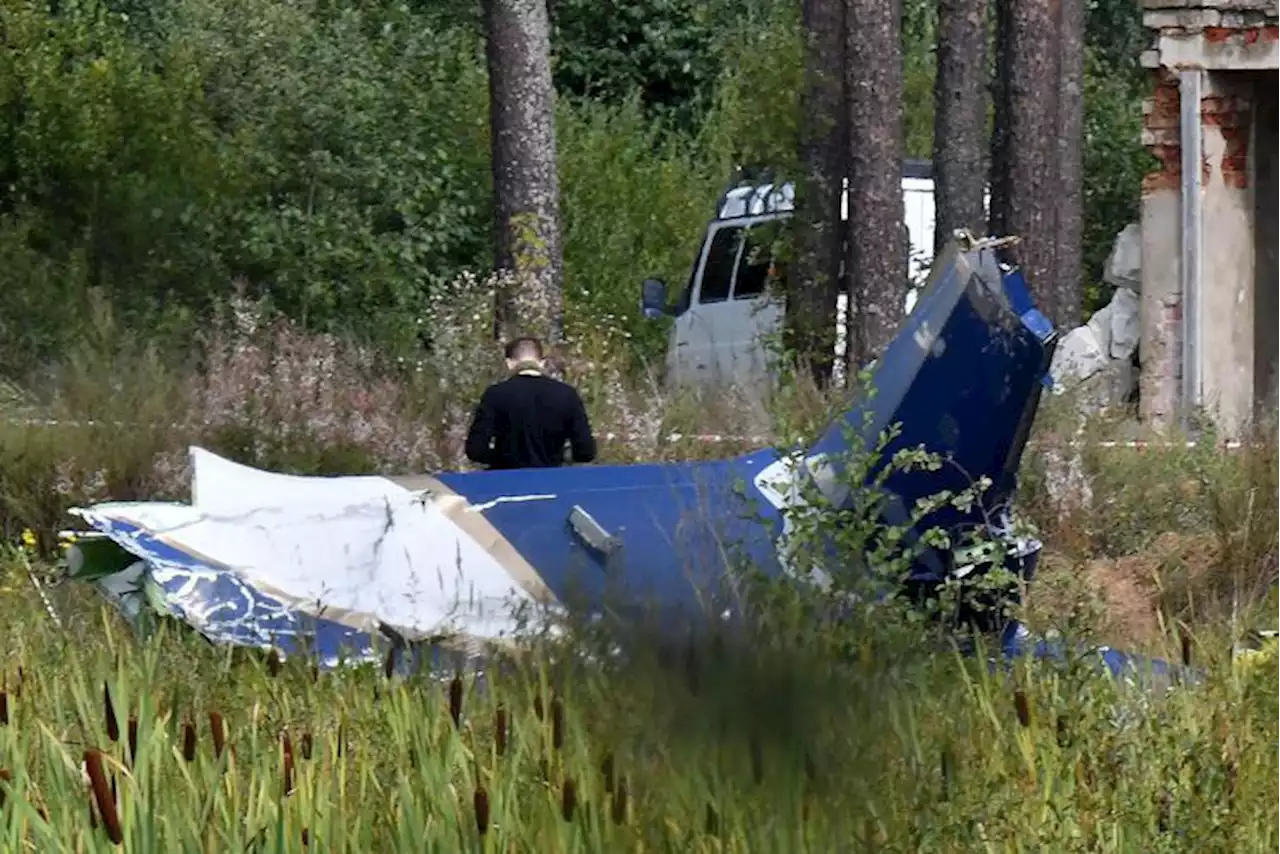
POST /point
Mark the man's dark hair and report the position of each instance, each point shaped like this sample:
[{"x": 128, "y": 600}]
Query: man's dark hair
[{"x": 524, "y": 349}]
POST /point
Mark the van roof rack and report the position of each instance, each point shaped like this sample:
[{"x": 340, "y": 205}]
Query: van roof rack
[{"x": 762, "y": 183}]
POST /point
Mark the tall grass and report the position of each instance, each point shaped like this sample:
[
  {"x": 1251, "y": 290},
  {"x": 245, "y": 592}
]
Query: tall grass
[{"x": 790, "y": 745}]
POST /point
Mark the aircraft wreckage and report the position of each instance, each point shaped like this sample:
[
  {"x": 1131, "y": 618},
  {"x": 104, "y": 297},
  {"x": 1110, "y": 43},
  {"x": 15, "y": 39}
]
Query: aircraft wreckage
[{"x": 334, "y": 567}]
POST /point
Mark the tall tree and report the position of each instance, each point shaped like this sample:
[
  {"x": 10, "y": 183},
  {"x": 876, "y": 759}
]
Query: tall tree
[
  {"x": 811, "y": 307},
  {"x": 525, "y": 185},
  {"x": 960, "y": 118},
  {"x": 1024, "y": 146},
  {"x": 876, "y": 254},
  {"x": 1069, "y": 207}
]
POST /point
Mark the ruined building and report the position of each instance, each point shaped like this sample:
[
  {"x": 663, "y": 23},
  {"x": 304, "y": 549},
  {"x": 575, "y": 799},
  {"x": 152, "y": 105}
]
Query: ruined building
[{"x": 1209, "y": 278}]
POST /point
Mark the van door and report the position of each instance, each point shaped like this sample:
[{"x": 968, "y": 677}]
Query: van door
[
  {"x": 748, "y": 320},
  {"x": 694, "y": 356}
]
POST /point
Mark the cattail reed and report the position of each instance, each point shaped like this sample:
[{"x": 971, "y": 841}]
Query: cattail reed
[
  {"x": 692, "y": 670},
  {"x": 287, "y": 750},
  {"x": 711, "y": 822},
  {"x": 306, "y": 838},
  {"x": 4, "y": 707},
  {"x": 568, "y": 799},
  {"x": 607, "y": 772},
  {"x": 557, "y": 723},
  {"x": 1184, "y": 639},
  {"x": 537, "y": 706},
  {"x": 102, "y": 795},
  {"x": 500, "y": 730},
  {"x": 480, "y": 802},
  {"x": 1063, "y": 731},
  {"x": 1023, "y": 706},
  {"x": 389, "y": 663},
  {"x": 133, "y": 738},
  {"x": 189, "y": 740},
  {"x": 5, "y": 778},
  {"x": 218, "y": 732},
  {"x": 109, "y": 714},
  {"x": 455, "y": 700},
  {"x": 304, "y": 745},
  {"x": 620, "y": 802},
  {"x": 946, "y": 763},
  {"x": 315, "y": 672},
  {"x": 273, "y": 663}
]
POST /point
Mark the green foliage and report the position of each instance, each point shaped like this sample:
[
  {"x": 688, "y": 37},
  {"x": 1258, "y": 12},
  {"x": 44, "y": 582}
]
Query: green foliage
[
  {"x": 635, "y": 199},
  {"x": 1114, "y": 162},
  {"x": 332, "y": 159},
  {"x": 660, "y": 50}
]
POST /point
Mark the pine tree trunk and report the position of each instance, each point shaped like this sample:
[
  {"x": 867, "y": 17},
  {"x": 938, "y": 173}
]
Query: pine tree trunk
[
  {"x": 876, "y": 256},
  {"x": 525, "y": 184},
  {"x": 1069, "y": 285},
  {"x": 960, "y": 119},
  {"x": 1024, "y": 151},
  {"x": 811, "y": 303}
]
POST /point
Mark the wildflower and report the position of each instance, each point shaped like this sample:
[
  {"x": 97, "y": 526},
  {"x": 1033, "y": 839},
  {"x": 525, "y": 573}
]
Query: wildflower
[{"x": 28, "y": 538}]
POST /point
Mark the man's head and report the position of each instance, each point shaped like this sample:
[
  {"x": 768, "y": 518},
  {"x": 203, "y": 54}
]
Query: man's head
[{"x": 524, "y": 354}]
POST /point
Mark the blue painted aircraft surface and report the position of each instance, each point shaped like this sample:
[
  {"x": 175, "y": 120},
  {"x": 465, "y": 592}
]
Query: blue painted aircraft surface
[{"x": 332, "y": 566}]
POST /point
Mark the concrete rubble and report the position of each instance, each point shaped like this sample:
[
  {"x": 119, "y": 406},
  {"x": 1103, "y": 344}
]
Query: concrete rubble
[
  {"x": 1097, "y": 359},
  {"x": 1097, "y": 363}
]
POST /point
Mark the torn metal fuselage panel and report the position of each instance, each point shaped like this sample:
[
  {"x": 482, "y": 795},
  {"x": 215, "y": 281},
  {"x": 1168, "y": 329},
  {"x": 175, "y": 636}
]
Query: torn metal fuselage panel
[{"x": 329, "y": 566}]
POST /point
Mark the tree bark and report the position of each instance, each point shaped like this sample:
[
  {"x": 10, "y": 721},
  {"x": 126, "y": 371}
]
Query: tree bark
[
  {"x": 960, "y": 119},
  {"x": 1069, "y": 207},
  {"x": 876, "y": 256},
  {"x": 525, "y": 183},
  {"x": 811, "y": 302},
  {"x": 1024, "y": 151}
]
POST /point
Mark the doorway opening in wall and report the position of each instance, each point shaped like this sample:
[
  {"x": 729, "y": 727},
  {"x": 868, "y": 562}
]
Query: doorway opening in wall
[{"x": 1266, "y": 285}]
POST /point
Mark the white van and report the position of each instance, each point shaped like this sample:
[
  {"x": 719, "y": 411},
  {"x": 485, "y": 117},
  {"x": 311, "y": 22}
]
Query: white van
[{"x": 724, "y": 318}]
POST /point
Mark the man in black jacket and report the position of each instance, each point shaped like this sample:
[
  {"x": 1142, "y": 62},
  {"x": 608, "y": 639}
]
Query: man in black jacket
[{"x": 526, "y": 420}]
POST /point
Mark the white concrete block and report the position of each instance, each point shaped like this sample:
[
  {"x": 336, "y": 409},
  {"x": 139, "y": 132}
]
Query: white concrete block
[
  {"x": 1126, "y": 325},
  {"x": 1124, "y": 264},
  {"x": 1100, "y": 325},
  {"x": 1077, "y": 358}
]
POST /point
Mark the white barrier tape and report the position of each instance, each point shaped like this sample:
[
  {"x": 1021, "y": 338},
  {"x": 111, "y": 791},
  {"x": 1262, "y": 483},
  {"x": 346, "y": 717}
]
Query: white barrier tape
[{"x": 702, "y": 438}]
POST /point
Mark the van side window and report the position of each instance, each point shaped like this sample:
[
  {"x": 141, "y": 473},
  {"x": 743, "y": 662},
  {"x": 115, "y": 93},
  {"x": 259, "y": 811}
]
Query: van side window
[
  {"x": 753, "y": 268},
  {"x": 717, "y": 275}
]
